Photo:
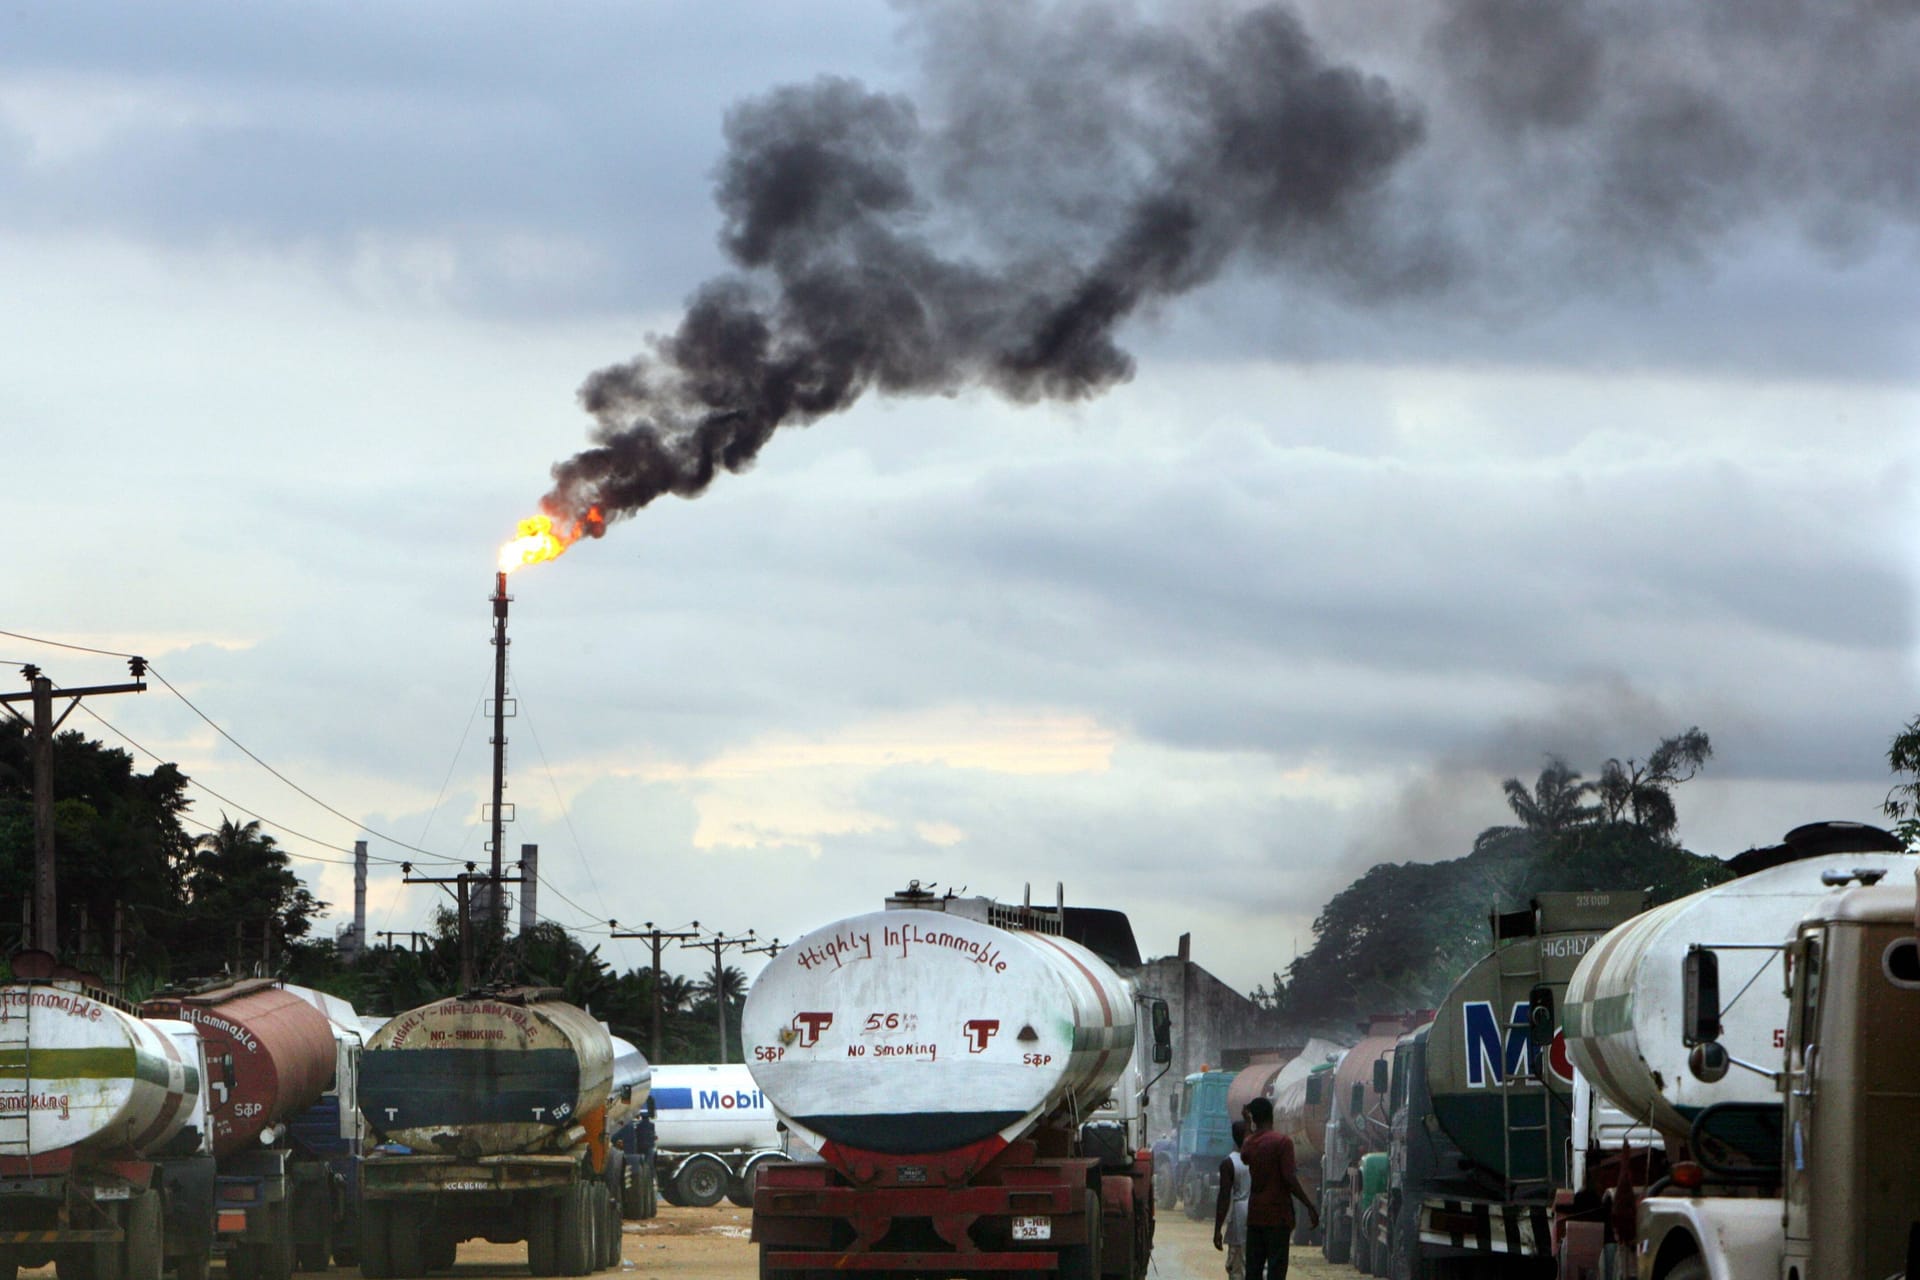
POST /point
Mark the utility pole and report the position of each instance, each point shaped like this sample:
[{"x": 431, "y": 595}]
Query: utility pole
[
  {"x": 658, "y": 937},
  {"x": 41, "y": 694},
  {"x": 718, "y": 944},
  {"x": 463, "y": 900}
]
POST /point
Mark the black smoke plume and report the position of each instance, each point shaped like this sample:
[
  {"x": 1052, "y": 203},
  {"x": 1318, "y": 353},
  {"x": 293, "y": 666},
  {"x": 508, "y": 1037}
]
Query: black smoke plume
[
  {"x": 1069, "y": 166},
  {"x": 1258, "y": 146}
]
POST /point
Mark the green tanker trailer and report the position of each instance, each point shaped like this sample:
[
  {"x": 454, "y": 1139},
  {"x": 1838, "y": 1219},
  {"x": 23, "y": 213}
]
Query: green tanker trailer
[
  {"x": 1483, "y": 1098},
  {"x": 494, "y": 1111}
]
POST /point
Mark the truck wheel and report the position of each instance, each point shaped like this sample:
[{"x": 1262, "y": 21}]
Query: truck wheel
[
  {"x": 1694, "y": 1268},
  {"x": 543, "y": 1214},
  {"x": 1193, "y": 1192},
  {"x": 74, "y": 1263},
  {"x": 1082, "y": 1261},
  {"x": 407, "y": 1245},
  {"x": 275, "y": 1256},
  {"x": 441, "y": 1251},
  {"x": 312, "y": 1218},
  {"x": 701, "y": 1183},
  {"x": 610, "y": 1220},
  {"x": 636, "y": 1180},
  {"x": 191, "y": 1266},
  {"x": 376, "y": 1250},
  {"x": 1337, "y": 1246},
  {"x": 143, "y": 1250},
  {"x": 573, "y": 1235}
]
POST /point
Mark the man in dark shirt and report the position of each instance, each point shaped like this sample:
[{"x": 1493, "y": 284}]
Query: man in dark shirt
[{"x": 1276, "y": 1186}]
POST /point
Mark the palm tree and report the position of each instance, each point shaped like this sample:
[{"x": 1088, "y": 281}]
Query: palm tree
[
  {"x": 1555, "y": 806},
  {"x": 239, "y": 882}
]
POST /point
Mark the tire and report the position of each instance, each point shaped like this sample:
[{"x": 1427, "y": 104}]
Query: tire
[
  {"x": 143, "y": 1250},
  {"x": 636, "y": 1180},
  {"x": 610, "y": 1239},
  {"x": 668, "y": 1189},
  {"x": 275, "y": 1256},
  {"x": 376, "y": 1240},
  {"x": 1693, "y": 1268},
  {"x": 312, "y": 1228},
  {"x": 573, "y": 1234},
  {"x": 1338, "y": 1246},
  {"x": 701, "y": 1183},
  {"x": 543, "y": 1216},
  {"x": 1082, "y": 1261},
  {"x": 441, "y": 1251},
  {"x": 75, "y": 1263},
  {"x": 191, "y": 1266},
  {"x": 1360, "y": 1248},
  {"x": 243, "y": 1262},
  {"x": 1166, "y": 1189},
  {"x": 407, "y": 1246}
]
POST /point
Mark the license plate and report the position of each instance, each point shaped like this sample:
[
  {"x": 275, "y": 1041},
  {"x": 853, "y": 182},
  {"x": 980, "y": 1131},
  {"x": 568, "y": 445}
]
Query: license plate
[
  {"x": 1033, "y": 1228},
  {"x": 121, "y": 1192}
]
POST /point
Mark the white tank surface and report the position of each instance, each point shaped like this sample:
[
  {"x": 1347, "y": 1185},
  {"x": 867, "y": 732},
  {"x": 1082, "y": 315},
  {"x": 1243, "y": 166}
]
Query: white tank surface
[
  {"x": 708, "y": 1107},
  {"x": 78, "y": 1072},
  {"x": 1623, "y": 1019},
  {"x": 912, "y": 1031},
  {"x": 632, "y": 1080}
]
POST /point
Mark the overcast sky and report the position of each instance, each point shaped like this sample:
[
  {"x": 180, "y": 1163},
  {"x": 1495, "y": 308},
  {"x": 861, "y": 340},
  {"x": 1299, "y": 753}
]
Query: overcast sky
[{"x": 1534, "y": 379}]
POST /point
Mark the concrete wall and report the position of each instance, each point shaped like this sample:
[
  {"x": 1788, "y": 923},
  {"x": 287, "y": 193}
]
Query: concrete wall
[{"x": 1214, "y": 1026}]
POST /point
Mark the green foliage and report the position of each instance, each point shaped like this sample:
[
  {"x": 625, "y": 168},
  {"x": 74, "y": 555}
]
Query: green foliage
[
  {"x": 1403, "y": 933},
  {"x": 1902, "y": 804}
]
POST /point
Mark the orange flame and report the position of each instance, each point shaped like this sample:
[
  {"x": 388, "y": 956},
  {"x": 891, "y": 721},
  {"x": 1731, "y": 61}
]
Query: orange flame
[{"x": 538, "y": 540}]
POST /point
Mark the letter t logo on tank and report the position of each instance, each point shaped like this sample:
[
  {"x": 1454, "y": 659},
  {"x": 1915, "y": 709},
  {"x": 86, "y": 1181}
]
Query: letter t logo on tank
[
  {"x": 808, "y": 1026},
  {"x": 979, "y": 1031}
]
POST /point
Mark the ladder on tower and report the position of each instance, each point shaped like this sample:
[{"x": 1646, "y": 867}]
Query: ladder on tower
[
  {"x": 1517, "y": 964},
  {"x": 16, "y": 1071}
]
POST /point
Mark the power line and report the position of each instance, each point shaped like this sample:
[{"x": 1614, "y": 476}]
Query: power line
[{"x": 355, "y": 822}]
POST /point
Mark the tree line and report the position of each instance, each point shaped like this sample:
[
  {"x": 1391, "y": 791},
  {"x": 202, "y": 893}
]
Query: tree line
[{"x": 145, "y": 902}]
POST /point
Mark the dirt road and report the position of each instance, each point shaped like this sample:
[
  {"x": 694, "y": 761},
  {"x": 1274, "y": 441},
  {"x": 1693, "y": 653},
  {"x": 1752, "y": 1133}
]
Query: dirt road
[{"x": 712, "y": 1244}]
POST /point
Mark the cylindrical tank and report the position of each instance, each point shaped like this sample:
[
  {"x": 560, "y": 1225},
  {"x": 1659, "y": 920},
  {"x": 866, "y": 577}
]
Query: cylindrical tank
[
  {"x": 631, "y": 1082},
  {"x": 1502, "y": 1101},
  {"x": 76, "y": 1072},
  {"x": 1253, "y": 1079},
  {"x": 1624, "y": 1013},
  {"x": 709, "y": 1107},
  {"x": 486, "y": 1074},
  {"x": 269, "y": 1054},
  {"x": 914, "y": 1031},
  {"x": 1300, "y": 1108},
  {"x": 1383, "y": 1032}
]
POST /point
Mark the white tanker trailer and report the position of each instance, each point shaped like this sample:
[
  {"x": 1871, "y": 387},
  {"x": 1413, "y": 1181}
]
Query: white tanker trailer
[
  {"x": 950, "y": 1060},
  {"x": 1711, "y": 1081},
  {"x": 1625, "y": 1010},
  {"x": 93, "y": 1101},
  {"x": 713, "y": 1129}
]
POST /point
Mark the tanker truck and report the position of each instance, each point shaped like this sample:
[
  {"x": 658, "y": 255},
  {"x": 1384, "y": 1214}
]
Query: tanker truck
[
  {"x": 1201, "y": 1141},
  {"x": 1481, "y": 1124},
  {"x": 271, "y": 1054},
  {"x": 494, "y": 1110},
  {"x": 1356, "y": 1125},
  {"x": 969, "y": 1075},
  {"x": 713, "y": 1132},
  {"x": 106, "y": 1168},
  {"x": 1302, "y": 1097},
  {"x": 1766, "y": 1028}
]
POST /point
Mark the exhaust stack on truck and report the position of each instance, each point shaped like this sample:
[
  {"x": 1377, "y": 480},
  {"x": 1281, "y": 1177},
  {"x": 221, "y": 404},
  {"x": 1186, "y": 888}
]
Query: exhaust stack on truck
[{"x": 950, "y": 1060}]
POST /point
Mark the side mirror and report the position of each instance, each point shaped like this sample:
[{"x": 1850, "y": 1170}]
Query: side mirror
[
  {"x": 1700, "y": 996},
  {"x": 1708, "y": 1062},
  {"x": 1162, "y": 1032},
  {"x": 1314, "y": 1090},
  {"x": 1541, "y": 1022},
  {"x": 1380, "y": 1076}
]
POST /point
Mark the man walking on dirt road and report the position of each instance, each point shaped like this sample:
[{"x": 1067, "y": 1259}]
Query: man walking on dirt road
[{"x": 1276, "y": 1186}]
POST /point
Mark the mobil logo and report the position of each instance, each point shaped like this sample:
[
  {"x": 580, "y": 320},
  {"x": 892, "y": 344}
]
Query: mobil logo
[
  {"x": 732, "y": 1100},
  {"x": 1498, "y": 1049}
]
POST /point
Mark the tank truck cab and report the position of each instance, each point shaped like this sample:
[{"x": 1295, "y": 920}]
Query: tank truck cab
[{"x": 1825, "y": 1182}]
